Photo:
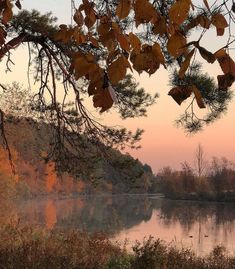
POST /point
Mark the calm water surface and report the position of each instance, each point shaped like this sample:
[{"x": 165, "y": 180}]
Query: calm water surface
[{"x": 198, "y": 225}]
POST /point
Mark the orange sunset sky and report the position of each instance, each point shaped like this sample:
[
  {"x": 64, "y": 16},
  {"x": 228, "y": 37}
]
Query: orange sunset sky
[{"x": 162, "y": 144}]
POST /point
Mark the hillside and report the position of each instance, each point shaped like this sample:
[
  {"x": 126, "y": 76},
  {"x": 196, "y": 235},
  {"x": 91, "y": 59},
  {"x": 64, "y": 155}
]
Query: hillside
[{"x": 91, "y": 172}]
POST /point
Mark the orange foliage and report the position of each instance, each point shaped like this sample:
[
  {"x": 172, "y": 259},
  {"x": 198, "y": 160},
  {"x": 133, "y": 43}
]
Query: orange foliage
[
  {"x": 51, "y": 177},
  {"x": 50, "y": 215}
]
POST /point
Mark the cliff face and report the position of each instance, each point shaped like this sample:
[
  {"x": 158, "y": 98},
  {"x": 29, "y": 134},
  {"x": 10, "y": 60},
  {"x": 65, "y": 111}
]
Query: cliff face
[{"x": 30, "y": 143}]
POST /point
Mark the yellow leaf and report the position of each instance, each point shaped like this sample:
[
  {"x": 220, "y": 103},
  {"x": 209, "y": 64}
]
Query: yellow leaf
[
  {"x": 179, "y": 11},
  {"x": 176, "y": 45},
  {"x": 186, "y": 64},
  {"x": 123, "y": 9},
  {"x": 198, "y": 96}
]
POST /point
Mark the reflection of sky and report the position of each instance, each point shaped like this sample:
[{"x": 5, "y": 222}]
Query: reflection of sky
[
  {"x": 201, "y": 230},
  {"x": 202, "y": 237},
  {"x": 162, "y": 143}
]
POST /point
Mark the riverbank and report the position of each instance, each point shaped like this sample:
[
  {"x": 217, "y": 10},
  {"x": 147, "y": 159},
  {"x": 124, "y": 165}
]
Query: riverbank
[{"x": 25, "y": 247}]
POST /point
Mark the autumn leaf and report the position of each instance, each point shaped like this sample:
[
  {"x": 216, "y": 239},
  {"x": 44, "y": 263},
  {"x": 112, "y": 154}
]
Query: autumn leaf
[
  {"x": 158, "y": 53},
  {"x": 160, "y": 27},
  {"x": 207, "y": 55},
  {"x": 83, "y": 65},
  {"x": 146, "y": 60},
  {"x": 117, "y": 69},
  {"x": 219, "y": 21},
  {"x": 135, "y": 42},
  {"x": 78, "y": 17},
  {"x": 176, "y": 45},
  {"x": 96, "y": 81},
  {"x": 226, "y": 62},
  {"x": 206, "y": 4},
  {"x": 64, "y": 34},
  {"x": 186, "y": 64},
  {"x": 88, "y": 8},
  {"x": 7, "y": 12},
  {"x": 144, "y": 12},
  {"x": 123, "y": 9},
  {"x": 124, "y": 42},
  {"x": 179, "y": 11},
  {"x": 103, "y": 99},
  {"x": 180, "y": 93},
  {"x": 198, "y": 96},
  {"x": 225, "y": 81},
  {"x": 3, "y": 35}
]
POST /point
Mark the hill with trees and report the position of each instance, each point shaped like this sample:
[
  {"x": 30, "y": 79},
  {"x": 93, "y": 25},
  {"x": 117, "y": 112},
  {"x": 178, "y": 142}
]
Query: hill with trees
[{"x": 36, "y": 173}]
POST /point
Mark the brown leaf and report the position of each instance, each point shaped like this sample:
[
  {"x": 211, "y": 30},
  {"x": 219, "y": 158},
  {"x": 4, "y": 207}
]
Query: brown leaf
[
  {"x": 179, "y": 11},
  {"x": 88, "y": 8},
  {"x": 145, "y": 60},
  {"x": 206, "y": 4},
  {"x": 226, "y": 62},
  {"x": 3, "y": 35},
  {"x": 123, "y": 9},
  {"x": 180, "y": 93},
  {"x": 219, "y": 21},
  {"x": 198, "y": 96},
  {"x": 7, "y": 12},
  {"x": 78, "y": 17},
  {"x": 83, "y": 65},
  {"x": 103, "y": 99},
  {"x": 158, "y": 53},
  {"x": 186, "y": 64},
  {"x": 160, "y": 27},
  {"x": 225, "y": 81},
  {"x": 176, "y": 45},
  {"x": 135, "y": 42},
  {"x": 117, "y": 70},
  {"x": 207, "y": 55},
  {"x": 124, "y": 42},
  {"x": 144, "y": 12}
]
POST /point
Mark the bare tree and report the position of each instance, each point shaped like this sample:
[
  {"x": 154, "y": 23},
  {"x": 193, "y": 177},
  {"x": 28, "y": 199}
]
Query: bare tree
[{"x": 200, "y": 161}]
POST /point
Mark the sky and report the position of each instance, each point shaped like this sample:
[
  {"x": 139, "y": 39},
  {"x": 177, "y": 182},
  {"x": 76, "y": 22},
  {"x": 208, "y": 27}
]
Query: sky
[{"x": 162, "y": 143}]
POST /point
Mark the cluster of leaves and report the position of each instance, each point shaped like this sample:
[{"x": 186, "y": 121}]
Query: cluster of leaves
[{"x": 110, "y": 39}]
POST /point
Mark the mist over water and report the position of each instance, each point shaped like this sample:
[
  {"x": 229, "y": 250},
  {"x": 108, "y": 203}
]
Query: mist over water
[{"x": 198, "y": 225}]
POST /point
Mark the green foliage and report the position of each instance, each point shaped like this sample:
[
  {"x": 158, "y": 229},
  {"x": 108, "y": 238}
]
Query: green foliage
[{"x": 216, "y": 101}]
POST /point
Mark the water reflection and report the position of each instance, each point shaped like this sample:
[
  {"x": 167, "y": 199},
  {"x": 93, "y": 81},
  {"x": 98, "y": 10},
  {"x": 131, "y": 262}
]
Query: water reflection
[{"x": 198, "y": 225}]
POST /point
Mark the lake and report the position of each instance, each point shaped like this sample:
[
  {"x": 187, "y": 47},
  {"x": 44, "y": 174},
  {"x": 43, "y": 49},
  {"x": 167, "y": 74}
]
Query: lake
[{"x": 198, "y": 225}]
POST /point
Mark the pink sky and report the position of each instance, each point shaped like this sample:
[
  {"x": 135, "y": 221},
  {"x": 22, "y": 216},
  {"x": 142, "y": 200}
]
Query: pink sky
[{"x": 162, "y": 144}]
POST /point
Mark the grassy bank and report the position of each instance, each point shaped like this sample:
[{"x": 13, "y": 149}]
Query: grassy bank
[{"x": 24, "y": 247}]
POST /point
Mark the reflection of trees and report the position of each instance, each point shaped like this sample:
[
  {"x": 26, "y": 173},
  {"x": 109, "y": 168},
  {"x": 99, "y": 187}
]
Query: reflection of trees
[
  {"x": 190, "y": 212},
  {"x": 111, "y": 214},
  {"x": 95, "y": 213},
  {"x": 103, "y": 214}
]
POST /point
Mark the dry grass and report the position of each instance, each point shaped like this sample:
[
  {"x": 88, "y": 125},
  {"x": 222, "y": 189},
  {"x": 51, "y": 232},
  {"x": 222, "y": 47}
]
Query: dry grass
[{"x": 24, "y": 247}]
